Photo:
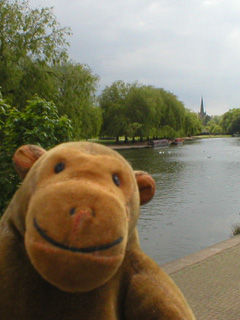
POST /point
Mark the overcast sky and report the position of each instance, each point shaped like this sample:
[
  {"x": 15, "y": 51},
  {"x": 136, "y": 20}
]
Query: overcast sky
[{"x": 188, "y": 47}]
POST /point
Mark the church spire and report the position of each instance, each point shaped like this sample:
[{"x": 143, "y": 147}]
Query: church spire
[
  {"x": 202, "y": 107},
  {"x": 202, "y": 112}
]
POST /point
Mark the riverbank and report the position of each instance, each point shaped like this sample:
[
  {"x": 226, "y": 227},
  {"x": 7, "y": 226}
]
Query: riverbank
[
  {"x": 141, "y": 145},
  {"x": 128, "y": 146}
]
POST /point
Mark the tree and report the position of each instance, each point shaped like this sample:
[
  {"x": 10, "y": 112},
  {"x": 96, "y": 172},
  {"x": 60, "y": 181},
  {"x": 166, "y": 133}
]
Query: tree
[
  {"x": 30, "y": 42},
  {"x": 75, "y": 96},
  {"x": 174, "y": 112},
  {"x": 39, "y": 123},
  {"x": 91, "y": 122},
  {"x": 231, "y": 121},
  {"x": 34, "y": 60},
  {"x": 134, "y": 110},
  {"x": 112, "y": 103},
  {"x": 214, "y": 126},
  {"x": 206, "y": 120},
  {"x": 192, "y": 123},
  {"x": 140, "y": 111}
]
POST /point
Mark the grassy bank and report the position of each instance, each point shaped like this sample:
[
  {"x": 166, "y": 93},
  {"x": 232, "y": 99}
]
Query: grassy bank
[
  {"x": 212, "y": 136},
  {"x": 122, "y": 141}
]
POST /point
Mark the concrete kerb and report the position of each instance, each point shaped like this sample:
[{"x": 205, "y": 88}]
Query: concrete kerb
[{"x": 179, "y": 264}]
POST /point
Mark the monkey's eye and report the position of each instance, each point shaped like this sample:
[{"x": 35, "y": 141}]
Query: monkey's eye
[
  {"x": 116, "y": 179},
  {"x": 59, "y": 167}
]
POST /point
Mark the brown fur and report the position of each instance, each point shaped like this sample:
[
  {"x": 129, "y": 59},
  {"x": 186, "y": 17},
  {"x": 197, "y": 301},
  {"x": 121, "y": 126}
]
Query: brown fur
[{"x": 69, "y": 247}]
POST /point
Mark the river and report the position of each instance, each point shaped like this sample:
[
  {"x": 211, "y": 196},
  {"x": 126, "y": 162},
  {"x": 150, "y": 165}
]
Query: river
[{"x": 197, "y": 201}]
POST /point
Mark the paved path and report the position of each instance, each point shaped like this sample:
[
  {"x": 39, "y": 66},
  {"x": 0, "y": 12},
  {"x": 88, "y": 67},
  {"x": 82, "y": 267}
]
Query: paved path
[{"x": 210, "y": 280}]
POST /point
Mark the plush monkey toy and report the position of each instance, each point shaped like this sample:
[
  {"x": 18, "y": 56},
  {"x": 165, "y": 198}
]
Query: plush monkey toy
[{"x": 69, "y": 246}]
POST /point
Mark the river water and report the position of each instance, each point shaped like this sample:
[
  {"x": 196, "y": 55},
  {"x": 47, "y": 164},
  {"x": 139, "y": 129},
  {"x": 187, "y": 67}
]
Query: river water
[{"x": 197, "y": 200}]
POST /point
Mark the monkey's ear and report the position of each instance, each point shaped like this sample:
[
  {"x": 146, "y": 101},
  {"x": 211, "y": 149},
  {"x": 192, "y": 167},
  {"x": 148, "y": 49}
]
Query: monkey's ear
[
  {"x": 146, "y": 186},
  {"x": 24, "y": 157}
]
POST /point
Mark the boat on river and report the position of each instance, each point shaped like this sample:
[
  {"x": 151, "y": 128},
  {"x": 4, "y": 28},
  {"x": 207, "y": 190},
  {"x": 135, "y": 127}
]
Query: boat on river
[
  {"x": 158, "y": 143},
  {"x": 178, "y": 141}
]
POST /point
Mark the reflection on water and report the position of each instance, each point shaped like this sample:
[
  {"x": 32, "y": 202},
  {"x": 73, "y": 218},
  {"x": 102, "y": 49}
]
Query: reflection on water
[{"x": 197, "y": 199}]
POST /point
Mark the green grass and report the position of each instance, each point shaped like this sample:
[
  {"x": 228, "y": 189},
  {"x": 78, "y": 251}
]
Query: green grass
[
  {"x": 213, "y": 136},
  {"x": 121, "y": 139},
  {"x": 106, "y": 142}
]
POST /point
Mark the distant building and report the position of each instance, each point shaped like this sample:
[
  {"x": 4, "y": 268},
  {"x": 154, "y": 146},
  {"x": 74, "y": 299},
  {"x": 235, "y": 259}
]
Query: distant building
[{"x": 202, "y": 114}]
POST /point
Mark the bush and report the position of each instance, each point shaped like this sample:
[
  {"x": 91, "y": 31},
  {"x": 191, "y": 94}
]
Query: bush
[
  {"x": 39, "y": 123},
  {"x": 236, "y": 229}
]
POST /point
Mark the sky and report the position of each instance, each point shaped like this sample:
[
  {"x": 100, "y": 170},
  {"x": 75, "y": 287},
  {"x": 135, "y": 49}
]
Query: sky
[{"x": 188, "y": 47}]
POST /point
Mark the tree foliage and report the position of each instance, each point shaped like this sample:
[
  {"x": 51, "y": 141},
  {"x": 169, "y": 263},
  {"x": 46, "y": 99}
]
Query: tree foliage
[
  {"x": 30, "y": 42},
  {"x": 230, "y": 121},
  {"x": 34, "y": 60},
  {"x": 38, "y": 123},
  {"x": 76, "y": 97},
  {"x": 134, "y": 110},
  {"x": 192, "y": 124},
  {"x": 214, "y": 125}
]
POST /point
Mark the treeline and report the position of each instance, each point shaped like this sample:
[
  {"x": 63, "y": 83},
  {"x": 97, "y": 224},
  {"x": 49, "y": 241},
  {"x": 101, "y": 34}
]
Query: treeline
[
  {"x": 133, "y": 110},
  {"x": 34, "y": 60},
  {"x": 47, "y": 98},
  {"x": 228, "y": 123}
]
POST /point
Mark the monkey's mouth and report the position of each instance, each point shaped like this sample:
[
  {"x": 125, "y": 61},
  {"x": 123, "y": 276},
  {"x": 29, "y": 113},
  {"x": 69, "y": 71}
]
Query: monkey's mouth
[{"x": 60, "y": 245}]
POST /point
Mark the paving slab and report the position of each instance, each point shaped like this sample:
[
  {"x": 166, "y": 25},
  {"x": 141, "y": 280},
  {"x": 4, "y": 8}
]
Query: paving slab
[{"x": 210, "y": 280}]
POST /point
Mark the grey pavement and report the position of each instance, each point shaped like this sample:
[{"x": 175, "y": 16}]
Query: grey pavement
[{"x": 210, "y": 280}]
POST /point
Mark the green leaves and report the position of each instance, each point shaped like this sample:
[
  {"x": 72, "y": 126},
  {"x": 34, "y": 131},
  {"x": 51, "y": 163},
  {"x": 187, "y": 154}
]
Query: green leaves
[
  {"x": 35, "y": 34},
  {"x": 31, "y": 42},
  {"x": 34, "y": 60},
  {"x": 230, "y": 121},
  {"x": 75, "y": 97},
  {"x": 134, "y": 110},
  {"x": 38, "y": 123}
]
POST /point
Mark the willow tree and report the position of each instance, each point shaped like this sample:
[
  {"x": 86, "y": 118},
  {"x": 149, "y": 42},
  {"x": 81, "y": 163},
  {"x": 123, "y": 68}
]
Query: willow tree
[
  {"x": 34, "y": 60},
  {"x": 192, "y": 123},
  {"x": 140, "y": 111},
  {"x": 75, "y": 86},
  {"x": 231, "y": 121},
  {"x": 31, "y": 41},
  {"x": 135, "y": 110},
  {"x": 112, "y": 103}
]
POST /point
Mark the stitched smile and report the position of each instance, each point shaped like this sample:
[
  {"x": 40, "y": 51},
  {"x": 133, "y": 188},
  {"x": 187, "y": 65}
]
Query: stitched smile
[{"x": 74, "y": 249}]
